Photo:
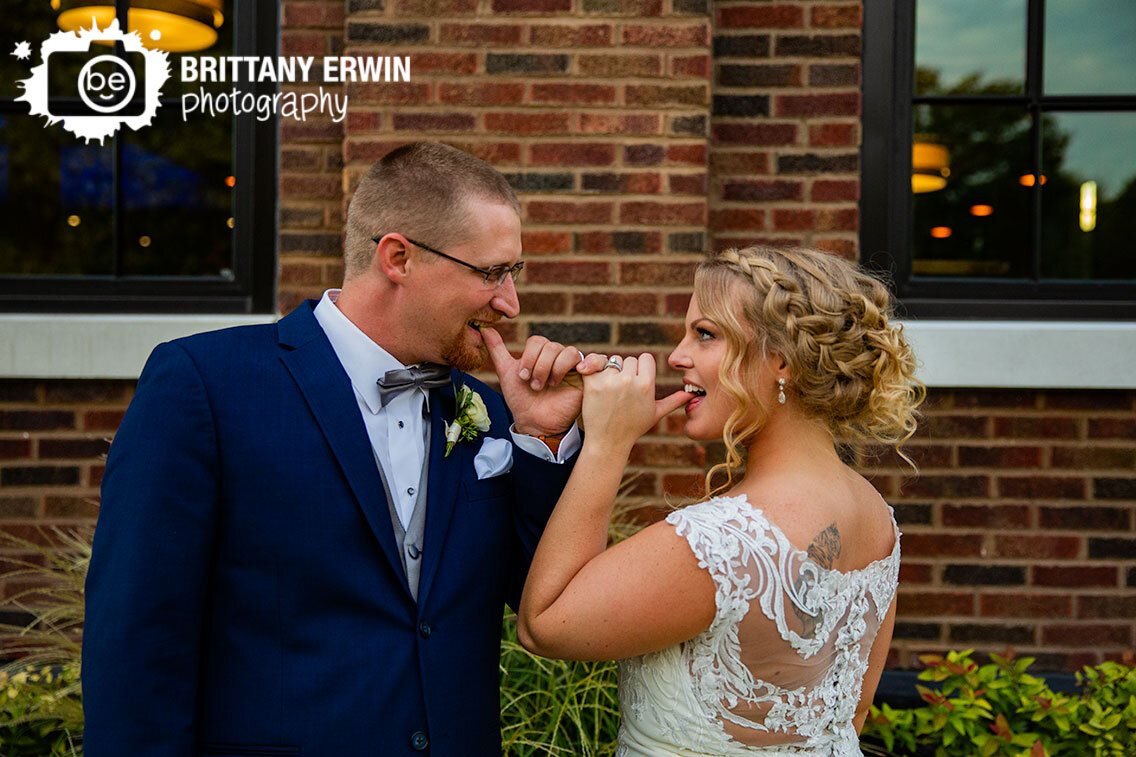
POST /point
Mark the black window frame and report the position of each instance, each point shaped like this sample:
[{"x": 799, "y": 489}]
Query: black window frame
[
  {"x": 252, "y": 287},
  {"x": 886, "y": 200}
]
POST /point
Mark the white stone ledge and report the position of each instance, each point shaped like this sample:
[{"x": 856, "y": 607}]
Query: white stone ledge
[
  {"x": 1006, "y": 354},
  {"x": 96, "y": 346}
]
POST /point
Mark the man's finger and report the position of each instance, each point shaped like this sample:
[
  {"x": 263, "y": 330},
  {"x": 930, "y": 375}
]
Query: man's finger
[
  {"x": 670, "y": 403},
  {"x": 502, "y": 360},
  {"x": 565, "y": 361},
  {"x": 528, "y": 358}
]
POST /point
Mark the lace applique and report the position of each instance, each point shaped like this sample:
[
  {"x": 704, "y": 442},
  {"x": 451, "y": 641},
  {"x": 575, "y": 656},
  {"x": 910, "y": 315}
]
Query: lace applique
[{"x": 752, "y": 562}]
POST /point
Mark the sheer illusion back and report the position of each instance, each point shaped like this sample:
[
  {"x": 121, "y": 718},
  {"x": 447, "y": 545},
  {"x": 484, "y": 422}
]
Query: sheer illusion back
[{"x": 780, "y": 669}]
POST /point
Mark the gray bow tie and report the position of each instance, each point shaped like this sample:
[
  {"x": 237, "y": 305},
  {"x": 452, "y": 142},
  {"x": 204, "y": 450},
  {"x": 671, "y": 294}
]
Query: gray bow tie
[{"x": 424, "y": 376}]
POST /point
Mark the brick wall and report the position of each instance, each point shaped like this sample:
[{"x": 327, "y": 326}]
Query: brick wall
[{"x": 639, "y": 133}]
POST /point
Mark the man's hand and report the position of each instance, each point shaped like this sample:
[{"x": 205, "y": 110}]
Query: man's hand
[{"x": 542, "y": 405}]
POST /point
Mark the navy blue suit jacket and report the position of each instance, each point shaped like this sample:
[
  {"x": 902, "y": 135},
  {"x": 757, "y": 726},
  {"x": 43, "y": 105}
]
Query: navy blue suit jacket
[{"x": 245, "y": 595}]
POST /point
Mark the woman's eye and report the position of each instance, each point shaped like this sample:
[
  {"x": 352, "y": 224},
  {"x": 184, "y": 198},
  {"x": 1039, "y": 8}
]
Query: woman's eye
[{"x": 703, "y": 335}]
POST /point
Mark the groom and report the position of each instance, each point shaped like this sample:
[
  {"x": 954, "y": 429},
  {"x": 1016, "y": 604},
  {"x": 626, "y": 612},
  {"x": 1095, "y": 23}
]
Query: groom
[{"x": 290, "y": 557}]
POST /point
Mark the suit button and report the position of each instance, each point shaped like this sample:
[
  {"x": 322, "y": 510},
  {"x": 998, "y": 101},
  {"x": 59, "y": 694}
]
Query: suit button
[
  {"x": 425, "y": 629},
  {"x": 413, "y": 551},
  {"x": 419, "y": 741}
]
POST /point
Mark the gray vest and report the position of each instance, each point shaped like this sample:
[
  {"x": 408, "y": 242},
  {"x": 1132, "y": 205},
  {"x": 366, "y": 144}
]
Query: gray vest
[{"x": 410, "y": 539}]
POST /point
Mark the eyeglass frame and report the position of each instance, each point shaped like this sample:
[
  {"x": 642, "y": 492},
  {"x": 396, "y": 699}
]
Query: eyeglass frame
[{"x": 513, "y": 271}]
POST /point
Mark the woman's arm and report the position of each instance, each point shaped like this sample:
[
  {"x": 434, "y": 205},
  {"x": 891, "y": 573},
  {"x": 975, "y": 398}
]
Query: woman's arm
[{"x": 584, "y": 601}]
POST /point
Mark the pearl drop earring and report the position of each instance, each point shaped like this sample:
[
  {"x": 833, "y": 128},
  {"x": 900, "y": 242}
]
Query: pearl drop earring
[{"x": 781, "y": 390}]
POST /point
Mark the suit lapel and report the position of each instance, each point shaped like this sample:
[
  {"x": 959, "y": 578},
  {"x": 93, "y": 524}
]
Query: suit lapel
[
  {"x": 444, "y": 479},
  {"x": 328, "y": 392}
]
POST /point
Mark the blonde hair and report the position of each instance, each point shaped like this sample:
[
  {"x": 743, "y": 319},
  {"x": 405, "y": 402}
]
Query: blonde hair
[
  {"x": 849, "y": 364},
  {"x": 421, "y": 190}
]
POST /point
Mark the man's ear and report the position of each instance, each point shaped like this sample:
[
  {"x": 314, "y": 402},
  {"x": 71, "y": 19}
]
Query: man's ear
[{"x": 392, "y": 258}]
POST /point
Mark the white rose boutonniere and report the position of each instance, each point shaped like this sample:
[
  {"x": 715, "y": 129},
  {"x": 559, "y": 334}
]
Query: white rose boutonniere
[{"x": 471, "y": 418}]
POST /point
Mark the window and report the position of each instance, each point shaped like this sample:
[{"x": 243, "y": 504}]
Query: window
[
  {"x": 998, "y": 169},
  {"x": 174, "y": 217}
]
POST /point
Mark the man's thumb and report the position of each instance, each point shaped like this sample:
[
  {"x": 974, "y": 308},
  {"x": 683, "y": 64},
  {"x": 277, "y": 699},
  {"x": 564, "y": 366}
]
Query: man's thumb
[
  {"x": 498, "y": 352},
  {"x": 670, "y": 403}
]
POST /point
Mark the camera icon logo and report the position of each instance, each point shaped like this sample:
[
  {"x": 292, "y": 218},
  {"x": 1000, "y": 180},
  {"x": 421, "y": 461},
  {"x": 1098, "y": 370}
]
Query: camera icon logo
[{"x": 109, "y": 91}]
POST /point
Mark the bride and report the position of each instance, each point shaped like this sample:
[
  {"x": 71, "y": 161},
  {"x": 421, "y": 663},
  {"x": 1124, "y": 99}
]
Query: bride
[{"x": 757, "y": 621}]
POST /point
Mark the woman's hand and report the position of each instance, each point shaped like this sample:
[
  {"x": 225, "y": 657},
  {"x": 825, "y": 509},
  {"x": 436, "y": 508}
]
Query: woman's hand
[{"x": 620, "y": 406}]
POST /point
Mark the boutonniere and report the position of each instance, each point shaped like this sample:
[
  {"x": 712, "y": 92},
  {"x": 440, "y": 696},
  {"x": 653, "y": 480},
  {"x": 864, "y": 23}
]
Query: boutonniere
[{"x": 470, "y": 419}]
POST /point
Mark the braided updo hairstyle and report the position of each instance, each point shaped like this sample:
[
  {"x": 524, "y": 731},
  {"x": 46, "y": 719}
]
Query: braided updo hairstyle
[{"x": 849, "y": 365}]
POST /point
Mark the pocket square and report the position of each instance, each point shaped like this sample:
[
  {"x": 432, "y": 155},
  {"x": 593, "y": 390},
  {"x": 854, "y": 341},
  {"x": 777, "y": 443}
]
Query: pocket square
[{"x": 494, "y": 458}]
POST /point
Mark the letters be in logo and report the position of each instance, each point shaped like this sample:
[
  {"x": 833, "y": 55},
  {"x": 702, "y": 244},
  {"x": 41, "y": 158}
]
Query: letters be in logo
[{"x": 113, "y": 89}]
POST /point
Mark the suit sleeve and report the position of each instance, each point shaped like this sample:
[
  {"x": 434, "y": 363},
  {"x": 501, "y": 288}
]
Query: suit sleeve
[{"x": 147, "y": 583}]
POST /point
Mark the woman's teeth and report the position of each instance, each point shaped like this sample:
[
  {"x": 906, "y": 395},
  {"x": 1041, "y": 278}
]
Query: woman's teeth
[{"x": 694, "y": 389}]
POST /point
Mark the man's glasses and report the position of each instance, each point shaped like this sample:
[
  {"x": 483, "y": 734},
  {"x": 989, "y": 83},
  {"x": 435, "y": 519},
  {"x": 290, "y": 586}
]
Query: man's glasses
[{"x": 494, "y": 276}]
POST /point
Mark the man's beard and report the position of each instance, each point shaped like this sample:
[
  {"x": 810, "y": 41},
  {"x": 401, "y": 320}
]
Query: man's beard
[{"x": 458, "y": 353}]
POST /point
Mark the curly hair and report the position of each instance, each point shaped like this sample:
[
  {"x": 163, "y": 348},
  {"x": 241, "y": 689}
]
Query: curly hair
[{"x": 849, "y": 365}]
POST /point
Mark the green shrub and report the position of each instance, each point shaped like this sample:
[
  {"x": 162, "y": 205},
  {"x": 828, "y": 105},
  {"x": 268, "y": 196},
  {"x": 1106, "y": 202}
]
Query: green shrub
[{"x": 999, "y": 709}]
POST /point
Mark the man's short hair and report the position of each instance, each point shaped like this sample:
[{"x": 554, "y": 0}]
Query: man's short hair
[{"x": 421, "y": 190}]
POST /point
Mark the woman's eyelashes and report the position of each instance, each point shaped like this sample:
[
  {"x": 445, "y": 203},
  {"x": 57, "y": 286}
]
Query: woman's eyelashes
[{"x": 704, "y": 334}]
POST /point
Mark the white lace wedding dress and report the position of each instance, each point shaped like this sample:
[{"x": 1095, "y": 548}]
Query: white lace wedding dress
[{"x": 780, "y": 669}]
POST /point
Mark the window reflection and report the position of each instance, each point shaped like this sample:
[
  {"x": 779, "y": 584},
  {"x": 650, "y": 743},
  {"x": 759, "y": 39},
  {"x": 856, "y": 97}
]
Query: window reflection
[
  {"x": 969, "y": 40},
  {"x": 1090, "y": 47}
]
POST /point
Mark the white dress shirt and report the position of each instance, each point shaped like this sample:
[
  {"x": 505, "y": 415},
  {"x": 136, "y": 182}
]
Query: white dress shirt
[{"x": 398, "y": 431}]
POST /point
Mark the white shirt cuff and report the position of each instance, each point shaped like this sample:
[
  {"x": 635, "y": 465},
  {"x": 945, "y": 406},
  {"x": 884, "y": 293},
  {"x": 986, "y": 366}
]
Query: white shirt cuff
[{"x": 569, "y": 445}]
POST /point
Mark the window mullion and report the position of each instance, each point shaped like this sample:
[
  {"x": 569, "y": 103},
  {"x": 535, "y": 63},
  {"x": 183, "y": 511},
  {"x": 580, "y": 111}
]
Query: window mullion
[{"x": 1035, "y": 50}]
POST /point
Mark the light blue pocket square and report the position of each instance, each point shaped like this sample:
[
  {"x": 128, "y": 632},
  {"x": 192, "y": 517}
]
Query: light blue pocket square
[{"x": 494, "y": 458}]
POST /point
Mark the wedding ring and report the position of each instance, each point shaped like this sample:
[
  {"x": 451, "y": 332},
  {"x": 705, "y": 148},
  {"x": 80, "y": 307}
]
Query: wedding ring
[{"x": 615, "y": 361}]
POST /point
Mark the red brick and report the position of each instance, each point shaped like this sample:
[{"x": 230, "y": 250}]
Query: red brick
[
  {"x": 830, "y": 190},
  {"x": 844, "y": 248},
  {"x": 999, "y": 457},
  {"x": 362, "y": 121},
  {"x": 1095, "y": 457},
  {"x": 482, "y": 93},
  {"x": 14, "y": 449},
  {"x": 763, "y": 190},
  {"x": 605, "y": 123},
  {"x": 369, "y": 150},
  {"x": 300, "y": 273},
  {"x": 624, "y": 183},
  {"x": 1024, "y": 427},
  {"x": 615, "y": 303},
  {"x": 312, "y": 14},
  {"x": 941, "y": 545},
  {"x": 1026, "y": 605},
  {"x": 833, "y": 135},
  {"x": 36, "y": 420},
  {"x": 541, "y": 242},
  {"x": 953, "y": 487},
  {"x": 549, "y": 211},
  {"x": 527, "y": 123},
  {"x": 573, "y": 93},
  {"x": 448, "y": 63},
  {"x": 690, "y": 65},
  {"x": 914, "y": 573},
  {"x": 1112, "y": 428},
  {"x": 434, "y": 121},
  {"x": 543, "y": 303},
  {"x": 571, "y": 154},
  {"x": 1073, "y": 575},
  {"x": 619, "y": 66},
  {"x": 986, "y": 516},
  {"x": 817, "y": 105},
  {"x": 738, "y": 219},
  {"x": 495, "y": 153},
  {"x": 792, "y": 219},
  {"x": 1079, "y": 399},
  {"x": 934, "y": 603},
  {"x": 924, "y": 455},
  {"x": 657, "y": 274},
  {"x": 531, "y": 6},
  {"x": 575, "y": 272},
  {"x": 311, "y": 187},
  {"x": 70, "y": 507},
  {"x": 954, "y": 427},
  {"x": 683, "y": 484},
  {"x": 695, "y": 184},
  {"x": 984, "y": 398},
  {"x": 680, "y": 214},
  {"x": 95, "y": 475},
  {"x": 1107, "y": 606},
  {"x": 388, "y": 93},
  {"x": 1083, "y": 635},
  {"x": 1037, "y": 547},
  {"x": 693, "y": 35},
  {"x": 676, "y": 304},
  {"x": 667, "y": 454},
  {"x": 303, "y": 43},
  {"x": 654, "y": 94},
  {"x": 313, "y": 131},
  {"x": 1041, "y": 487},
  {"x": 761, "y": 17},
  {"x": 837, "y": 219},
  {"x": 434, "y": 8},
  {"x": 1085, "y": 518},
  {"x": 605, "y": 242},
  {"x": 762, "y": 134},
  {"x": 591, "y": 35},
  {"x": 836, "y": 16},
  {"x": 481, "y": 34}
]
